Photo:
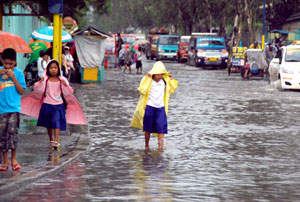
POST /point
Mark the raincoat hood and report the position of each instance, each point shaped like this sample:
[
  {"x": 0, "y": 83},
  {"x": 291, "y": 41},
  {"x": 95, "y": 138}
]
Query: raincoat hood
[
  {"x": 144, "y": 90},
  {"x": 159, "y": 68}
]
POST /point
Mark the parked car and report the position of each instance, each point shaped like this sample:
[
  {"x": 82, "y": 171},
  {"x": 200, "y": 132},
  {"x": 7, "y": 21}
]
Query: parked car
[
  {"x": 207, "y": 51},
  {"x": 285, "y": 67},
  {"x": 151, "y": 48},
  {"x": 167, "y": 46},
  {"x": 182, "y": 52},
  {"x": 128, "y": 38}
]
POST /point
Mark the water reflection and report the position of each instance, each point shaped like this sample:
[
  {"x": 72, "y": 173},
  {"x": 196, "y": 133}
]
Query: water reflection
[
  {"x": 151, "y": 176},
  {"x": 67, "y": 186},
  {"x": 54, "y": 157}
]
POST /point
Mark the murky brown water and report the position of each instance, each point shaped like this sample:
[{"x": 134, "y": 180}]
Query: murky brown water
[{"x": 229, "y": 140}]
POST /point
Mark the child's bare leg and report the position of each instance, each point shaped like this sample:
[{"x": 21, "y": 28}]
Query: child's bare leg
[
  {"x": 125, "y": 67},
  {"x": 160, "y": 141},
  {"x": 5, "y": 159},
  {"x": 147, "y": 138},
  {"x": 50, "y": 134},
  {"x": 56, "y": 133},
  {"x": 129, "y": 69},
  {"x": 13, "y": 157}
]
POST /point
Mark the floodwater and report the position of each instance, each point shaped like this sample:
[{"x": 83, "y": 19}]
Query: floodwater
[{"x": 229, "y": 140}]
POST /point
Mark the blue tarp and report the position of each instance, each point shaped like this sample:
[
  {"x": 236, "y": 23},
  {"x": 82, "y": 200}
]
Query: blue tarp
[{"x": 279, "y": 31}]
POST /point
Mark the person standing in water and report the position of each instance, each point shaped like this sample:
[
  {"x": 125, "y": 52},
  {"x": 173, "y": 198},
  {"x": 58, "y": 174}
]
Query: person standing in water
[{"x": 152, "y": 109}]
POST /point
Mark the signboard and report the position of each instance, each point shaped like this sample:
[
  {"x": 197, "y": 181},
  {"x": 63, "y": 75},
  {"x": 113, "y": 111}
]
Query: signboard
[
  {"x": 55, "y": 6},
  {"x": 238, "y": 52}
]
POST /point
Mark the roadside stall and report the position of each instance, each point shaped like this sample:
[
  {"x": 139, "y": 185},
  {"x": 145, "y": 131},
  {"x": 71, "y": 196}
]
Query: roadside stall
[
  {"x": 90, "y": 48},
  {"x": 110, "y": 59}
]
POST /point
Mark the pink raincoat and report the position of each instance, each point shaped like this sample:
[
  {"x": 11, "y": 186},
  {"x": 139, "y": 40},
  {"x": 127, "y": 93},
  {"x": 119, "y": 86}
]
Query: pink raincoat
[{"x": 32, "y": 103}]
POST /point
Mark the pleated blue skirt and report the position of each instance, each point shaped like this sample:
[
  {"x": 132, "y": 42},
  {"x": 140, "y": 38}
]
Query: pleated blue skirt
[
  {"x": 155, "y": 120},
  {"x": 52, "y": 116}
]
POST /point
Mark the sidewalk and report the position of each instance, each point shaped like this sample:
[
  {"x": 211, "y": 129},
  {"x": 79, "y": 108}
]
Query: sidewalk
[{"x": 36, "y": 159}]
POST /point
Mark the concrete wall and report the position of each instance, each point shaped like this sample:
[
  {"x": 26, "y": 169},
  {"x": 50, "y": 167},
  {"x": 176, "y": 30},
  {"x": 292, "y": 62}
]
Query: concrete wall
[{"x": 22, "y": 26}]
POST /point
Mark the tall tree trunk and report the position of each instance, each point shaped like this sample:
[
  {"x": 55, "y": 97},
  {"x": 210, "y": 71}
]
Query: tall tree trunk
[
  {"x": 235, "y": 30},
  {"x": 248, "y": 14}
]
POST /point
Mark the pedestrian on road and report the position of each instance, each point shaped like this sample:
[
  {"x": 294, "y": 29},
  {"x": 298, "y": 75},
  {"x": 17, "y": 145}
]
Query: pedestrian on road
[
  {"x": 52, "y": 113},
  {"x": 127, "y": 60},
  {"x": 152, "y": 109},
  {"x": 138, "y": 66},
  {"x": 12, "y": 85},
  {"x": 119, "y": 44},
  {"x": 121, "y": 57},
  {"x": 42, "y": 63},
  {"x": 53, "y": 103}
]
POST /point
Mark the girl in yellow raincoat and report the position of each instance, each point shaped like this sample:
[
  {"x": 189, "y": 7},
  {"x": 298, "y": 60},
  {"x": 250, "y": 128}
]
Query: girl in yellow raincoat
[{"x": 152, "y": 109}]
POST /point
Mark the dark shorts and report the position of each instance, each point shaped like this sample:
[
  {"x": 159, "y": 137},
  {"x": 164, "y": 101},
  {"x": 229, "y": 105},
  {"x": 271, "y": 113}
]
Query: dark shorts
[
  {"x": 9, "y": 128},
  {"x": 52, "y": 116},
  {"x": 155, "y": 120},
  {"x": 121, "y": 62},
  {"x": 138, "y": 64},
  {"x": 128, "y": 63}
]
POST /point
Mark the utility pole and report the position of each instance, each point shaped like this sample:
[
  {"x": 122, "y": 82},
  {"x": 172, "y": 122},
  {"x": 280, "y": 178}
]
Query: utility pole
[
  {"x": 55, "y": 7},
  {"x": 263, "y": 29}
]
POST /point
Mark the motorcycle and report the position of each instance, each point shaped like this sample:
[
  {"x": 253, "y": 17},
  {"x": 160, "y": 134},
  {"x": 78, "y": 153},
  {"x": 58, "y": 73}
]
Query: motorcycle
[{"x": 31, "y": 74}]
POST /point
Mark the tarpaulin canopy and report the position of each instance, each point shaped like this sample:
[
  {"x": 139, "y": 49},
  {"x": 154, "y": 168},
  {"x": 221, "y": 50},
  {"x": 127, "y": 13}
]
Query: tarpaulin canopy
[
  {"x": 90, "y": 51},
  {"x": 279, "y": 31}
]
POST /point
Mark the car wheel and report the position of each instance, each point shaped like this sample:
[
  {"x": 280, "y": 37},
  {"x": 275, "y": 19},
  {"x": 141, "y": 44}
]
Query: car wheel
[{"x": 279, "y": 86}]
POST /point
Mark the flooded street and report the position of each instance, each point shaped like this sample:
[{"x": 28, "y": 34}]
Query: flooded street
[{"x": 228, "y": 140}]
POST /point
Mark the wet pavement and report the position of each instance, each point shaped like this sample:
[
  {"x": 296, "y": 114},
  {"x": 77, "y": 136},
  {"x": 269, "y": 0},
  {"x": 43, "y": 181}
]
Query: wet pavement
[
  {"x": 36, "y": 159},
  {"x": 229, "y": 140}
]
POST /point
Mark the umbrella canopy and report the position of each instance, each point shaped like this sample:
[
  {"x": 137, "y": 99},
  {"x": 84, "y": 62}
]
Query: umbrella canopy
[
  {"x": 8, "y": 40},
  {"x": 140, "y": 42},
  {"x": 46, "y": 34}
]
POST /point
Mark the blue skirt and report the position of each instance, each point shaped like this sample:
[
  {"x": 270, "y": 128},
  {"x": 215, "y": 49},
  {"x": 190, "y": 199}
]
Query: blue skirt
[
  {"x": 155, "y": 120},
  {"x": 52, "y": 116}
]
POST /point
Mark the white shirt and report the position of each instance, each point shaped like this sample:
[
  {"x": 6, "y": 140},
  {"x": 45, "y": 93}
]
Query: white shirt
[
  {"x": 41, "y": 65},
  {"x": 157, "y": 93},
  {"x": 69, "y": 57},
  {"x": 139, "y": 56}
]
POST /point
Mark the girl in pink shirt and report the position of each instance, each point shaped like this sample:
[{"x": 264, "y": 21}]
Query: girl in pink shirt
[{"x": 53, "y": 111}]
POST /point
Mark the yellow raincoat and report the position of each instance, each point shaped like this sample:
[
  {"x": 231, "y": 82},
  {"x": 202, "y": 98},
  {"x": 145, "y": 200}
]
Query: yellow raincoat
[{"x": 144, "y": 90}]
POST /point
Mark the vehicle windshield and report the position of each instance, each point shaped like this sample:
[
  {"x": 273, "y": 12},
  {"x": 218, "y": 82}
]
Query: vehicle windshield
[
  {"x": 128, "y": 40},
  {"x": 154, "y": 40},
  {"x": 184, "y": 40},
  {"x": 168, "y": 40},
  {"x": 292, "y": 55},
  {"x": 210, "y": 43}
]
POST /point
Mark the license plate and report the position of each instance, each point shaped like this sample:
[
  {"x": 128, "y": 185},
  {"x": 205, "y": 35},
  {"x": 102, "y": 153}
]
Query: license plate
[{"x": 213, "y": 59}]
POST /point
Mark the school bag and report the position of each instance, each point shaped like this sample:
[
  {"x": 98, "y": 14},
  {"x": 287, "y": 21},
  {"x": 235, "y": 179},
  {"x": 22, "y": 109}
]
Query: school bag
[{"x": 135, "y": 57}]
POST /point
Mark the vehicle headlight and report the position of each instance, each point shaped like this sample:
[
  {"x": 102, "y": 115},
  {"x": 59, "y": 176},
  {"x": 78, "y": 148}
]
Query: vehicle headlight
[
  {"x": 224, "y": 53},
  {"x": 287, "y": 71},
  {"x": 200, "y": 53},
  {"x": 160, "y": 50}
]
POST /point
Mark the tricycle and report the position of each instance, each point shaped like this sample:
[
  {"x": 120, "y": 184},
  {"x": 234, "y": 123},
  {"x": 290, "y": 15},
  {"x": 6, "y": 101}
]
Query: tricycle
[{"x": 255, "y": 64}]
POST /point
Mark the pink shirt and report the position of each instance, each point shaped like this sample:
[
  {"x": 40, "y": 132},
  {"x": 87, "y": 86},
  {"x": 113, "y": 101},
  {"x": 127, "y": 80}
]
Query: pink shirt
[{"x": 53, "y": 93}]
